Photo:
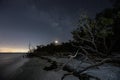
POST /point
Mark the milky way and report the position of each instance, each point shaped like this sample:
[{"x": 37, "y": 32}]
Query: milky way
[{"x": 42, "y": 21}]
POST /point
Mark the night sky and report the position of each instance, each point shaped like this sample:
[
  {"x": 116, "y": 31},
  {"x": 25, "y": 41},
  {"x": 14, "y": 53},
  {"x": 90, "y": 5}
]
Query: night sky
[{"x": 42, "y": 21}]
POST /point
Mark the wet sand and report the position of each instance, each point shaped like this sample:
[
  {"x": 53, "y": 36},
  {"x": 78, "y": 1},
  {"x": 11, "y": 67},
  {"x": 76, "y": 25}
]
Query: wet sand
[{"x": 33, "y": 70}]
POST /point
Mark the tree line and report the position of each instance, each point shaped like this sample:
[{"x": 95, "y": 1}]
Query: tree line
[
  {"x": 97, "y": 37},
  {"x": 61, "y": 49}
]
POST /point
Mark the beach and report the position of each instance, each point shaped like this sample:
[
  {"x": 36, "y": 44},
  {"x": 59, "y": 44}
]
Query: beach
[
  {"x": 44, "y": 68},
  {"x": 30, "y": 69}
]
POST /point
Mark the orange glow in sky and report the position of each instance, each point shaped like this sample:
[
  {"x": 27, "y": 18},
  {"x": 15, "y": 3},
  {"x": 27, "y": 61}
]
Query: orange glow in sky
[{"x": 13, "y": 50}]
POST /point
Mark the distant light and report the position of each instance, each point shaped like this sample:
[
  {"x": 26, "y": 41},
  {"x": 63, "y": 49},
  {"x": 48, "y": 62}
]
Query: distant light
[
  {"x": 56, "y": 42},
  {"x": 13, "y": 50}
]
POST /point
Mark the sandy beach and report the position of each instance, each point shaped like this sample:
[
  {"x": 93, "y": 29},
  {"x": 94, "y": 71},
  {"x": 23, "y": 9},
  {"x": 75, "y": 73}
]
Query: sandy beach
[
  {"x": 24, "y": 68},
  {"x": 33, "y": 70}
]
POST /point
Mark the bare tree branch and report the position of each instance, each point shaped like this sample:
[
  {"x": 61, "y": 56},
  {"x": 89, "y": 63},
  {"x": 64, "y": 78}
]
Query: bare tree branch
[
  {"x": 71, "y": 57},
  {"x": 97, "y": 64},
  {"x": 78, "y": 73},
  {"x": 83, "y": 39}
]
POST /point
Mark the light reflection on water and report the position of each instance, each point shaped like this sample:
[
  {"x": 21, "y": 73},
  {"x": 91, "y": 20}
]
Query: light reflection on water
[
  {"x": 9, "y": 63},
  {"x": 8, "y": 58}
]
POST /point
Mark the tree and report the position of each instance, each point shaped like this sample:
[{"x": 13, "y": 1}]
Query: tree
[
  {"x": 112, "y": 14},
  {"x": 99, "y": 36},
  {"x": 91, "y": 35}
]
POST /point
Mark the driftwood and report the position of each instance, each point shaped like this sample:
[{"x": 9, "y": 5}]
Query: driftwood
[
  {"x": 81, "y": 77},
  {"x": 94, "y": 65},
  {"x": 79, "y": 73},
  {"x": 70, "y": 58}
]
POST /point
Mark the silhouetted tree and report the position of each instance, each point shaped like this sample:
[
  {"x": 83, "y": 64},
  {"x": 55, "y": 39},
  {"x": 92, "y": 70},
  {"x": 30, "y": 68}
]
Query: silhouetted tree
[
  {"x": 112, "y": 15},
  {"x": 91, "y": 35},
  {"x": 98, "y": 36}
]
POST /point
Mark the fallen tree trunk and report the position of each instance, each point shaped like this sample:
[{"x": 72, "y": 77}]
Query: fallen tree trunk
[
  {"x": 79, "y": 73},
  {"x": 97, "y": 64}
]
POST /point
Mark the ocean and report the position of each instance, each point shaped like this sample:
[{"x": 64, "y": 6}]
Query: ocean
[{"x": 9, "y": 63}]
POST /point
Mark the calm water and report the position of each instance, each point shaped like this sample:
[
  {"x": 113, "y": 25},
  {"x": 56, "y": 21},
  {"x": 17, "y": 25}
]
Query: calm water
[
  {"x": 9, "y": 63},
  {"x": 15, "y": 67}
]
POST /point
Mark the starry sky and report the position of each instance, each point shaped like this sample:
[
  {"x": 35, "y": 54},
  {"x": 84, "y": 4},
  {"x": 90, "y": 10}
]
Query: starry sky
[{"x": 42, "y": 21}]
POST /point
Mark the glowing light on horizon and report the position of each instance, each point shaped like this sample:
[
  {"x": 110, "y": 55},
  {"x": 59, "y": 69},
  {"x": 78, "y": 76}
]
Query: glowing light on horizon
[
  {"x": 13, "y": 50},
  {"x": 56, "y": 41}
]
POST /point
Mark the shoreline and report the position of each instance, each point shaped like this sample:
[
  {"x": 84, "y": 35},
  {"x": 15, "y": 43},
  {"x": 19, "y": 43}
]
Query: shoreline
[
  {"x": 103, "y": 72},
  {"x": 34, "y": 70},
  {"x": 47, "y": 68}
]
